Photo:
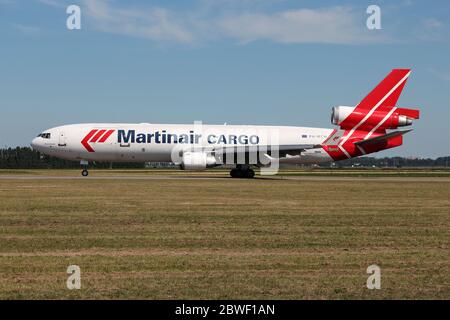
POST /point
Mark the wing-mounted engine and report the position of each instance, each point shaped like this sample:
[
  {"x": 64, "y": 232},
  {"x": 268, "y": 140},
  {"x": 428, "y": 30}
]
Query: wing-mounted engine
[
  {"x": 350, "y": 117},
  {"x": 197, "y": 160}
]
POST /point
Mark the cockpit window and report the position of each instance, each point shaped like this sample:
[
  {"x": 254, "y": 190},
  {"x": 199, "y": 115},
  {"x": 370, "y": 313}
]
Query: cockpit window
[{"x": 44, "y": 135}]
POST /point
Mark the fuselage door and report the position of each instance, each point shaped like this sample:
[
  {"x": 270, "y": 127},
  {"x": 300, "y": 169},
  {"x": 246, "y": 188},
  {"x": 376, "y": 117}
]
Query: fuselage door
[{"x": 62, "y": 139}]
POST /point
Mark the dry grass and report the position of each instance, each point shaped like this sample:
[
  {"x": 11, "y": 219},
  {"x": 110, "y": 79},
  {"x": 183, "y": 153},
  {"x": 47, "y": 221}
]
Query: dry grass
[{"x": 224, "y": 238}]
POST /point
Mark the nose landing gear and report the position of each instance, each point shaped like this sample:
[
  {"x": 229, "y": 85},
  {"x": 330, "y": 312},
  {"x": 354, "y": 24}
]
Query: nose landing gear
[
  {"x": 84, "y": 164},
  {"x": 242, "y": 171}
]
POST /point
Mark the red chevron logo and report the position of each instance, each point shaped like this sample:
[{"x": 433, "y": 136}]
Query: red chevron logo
[{"x": 95, "y": 136}]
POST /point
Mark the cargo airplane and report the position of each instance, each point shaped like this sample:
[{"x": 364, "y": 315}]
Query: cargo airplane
[{"x": 362, "y": 129}]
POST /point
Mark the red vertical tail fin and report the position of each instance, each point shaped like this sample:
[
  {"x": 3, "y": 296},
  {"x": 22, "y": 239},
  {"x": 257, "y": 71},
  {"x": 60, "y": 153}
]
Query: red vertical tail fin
[
  {"x": 381, "y": 99},
  {"x": 363, "y": 128}
]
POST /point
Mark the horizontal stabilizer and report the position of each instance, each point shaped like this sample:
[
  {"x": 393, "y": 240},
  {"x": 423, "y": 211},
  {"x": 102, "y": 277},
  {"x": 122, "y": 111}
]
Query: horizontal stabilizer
[
  {"x": 382, "y": 138},
  {"x": 410, "y": 113}
]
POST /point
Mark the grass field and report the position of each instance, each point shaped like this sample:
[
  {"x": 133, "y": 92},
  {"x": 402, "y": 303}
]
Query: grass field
[
  {"x": 286, "y": 172},
  {"x": 223, "y": 238}
]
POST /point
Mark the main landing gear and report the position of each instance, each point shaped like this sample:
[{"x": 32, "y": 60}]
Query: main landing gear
[
  {"x": 84, "y": 164},
  {"x": 242, "y": 171}
]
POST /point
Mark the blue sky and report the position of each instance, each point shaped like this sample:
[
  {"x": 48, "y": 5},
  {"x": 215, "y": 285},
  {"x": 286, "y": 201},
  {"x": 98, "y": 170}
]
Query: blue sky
[{"x": 241, "y": 62}]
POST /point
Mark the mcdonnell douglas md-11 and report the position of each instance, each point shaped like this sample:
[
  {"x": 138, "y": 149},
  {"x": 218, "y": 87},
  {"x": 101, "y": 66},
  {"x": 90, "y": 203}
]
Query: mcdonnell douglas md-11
[{"x": 362, "y": 129}]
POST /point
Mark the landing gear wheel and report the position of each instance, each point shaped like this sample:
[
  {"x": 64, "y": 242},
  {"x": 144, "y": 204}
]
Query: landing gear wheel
[
  {"x": 239, "y": 173},
  {"x": 84, "y": 173}
]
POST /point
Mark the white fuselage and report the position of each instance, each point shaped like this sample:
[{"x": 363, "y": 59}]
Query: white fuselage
[{"x": 156, "y": 142}]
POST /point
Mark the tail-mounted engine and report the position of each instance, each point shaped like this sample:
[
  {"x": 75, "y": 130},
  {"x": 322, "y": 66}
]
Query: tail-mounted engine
[{"x": 396, "y": 117}]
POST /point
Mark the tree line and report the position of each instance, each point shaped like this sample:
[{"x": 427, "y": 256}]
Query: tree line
[
  {"x": 398, "y": 162},
  {"x": 27, "y": 158}
]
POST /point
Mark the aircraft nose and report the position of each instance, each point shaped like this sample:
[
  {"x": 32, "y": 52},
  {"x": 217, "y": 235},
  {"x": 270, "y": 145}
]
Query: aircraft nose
[{"x": 35, "y": 144}]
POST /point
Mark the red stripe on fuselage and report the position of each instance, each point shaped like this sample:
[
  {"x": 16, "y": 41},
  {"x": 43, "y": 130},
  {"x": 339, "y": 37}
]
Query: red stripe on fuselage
[
  {"x": 85, "y": 141},
  {"x": 106, "y": 136},
  {"x": 329, "y": 137},
  {"x": 97, "y": 136}
]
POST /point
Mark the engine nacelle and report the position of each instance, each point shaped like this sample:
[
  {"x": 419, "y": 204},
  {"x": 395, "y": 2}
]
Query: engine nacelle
[
  {"x": 197, "y": 161},
  {"x": 338, "y": 114},
  {"x": 399, "y": 118}
]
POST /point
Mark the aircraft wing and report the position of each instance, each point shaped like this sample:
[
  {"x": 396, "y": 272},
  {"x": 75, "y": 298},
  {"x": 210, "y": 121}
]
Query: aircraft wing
[{"x": 283, "y": 150}]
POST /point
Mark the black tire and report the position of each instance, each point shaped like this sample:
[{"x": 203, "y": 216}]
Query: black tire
[
  {"x": 84, "y": 173},
  {"x": 236, "y": 173},
  {"x": 248, "y": 174}
]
